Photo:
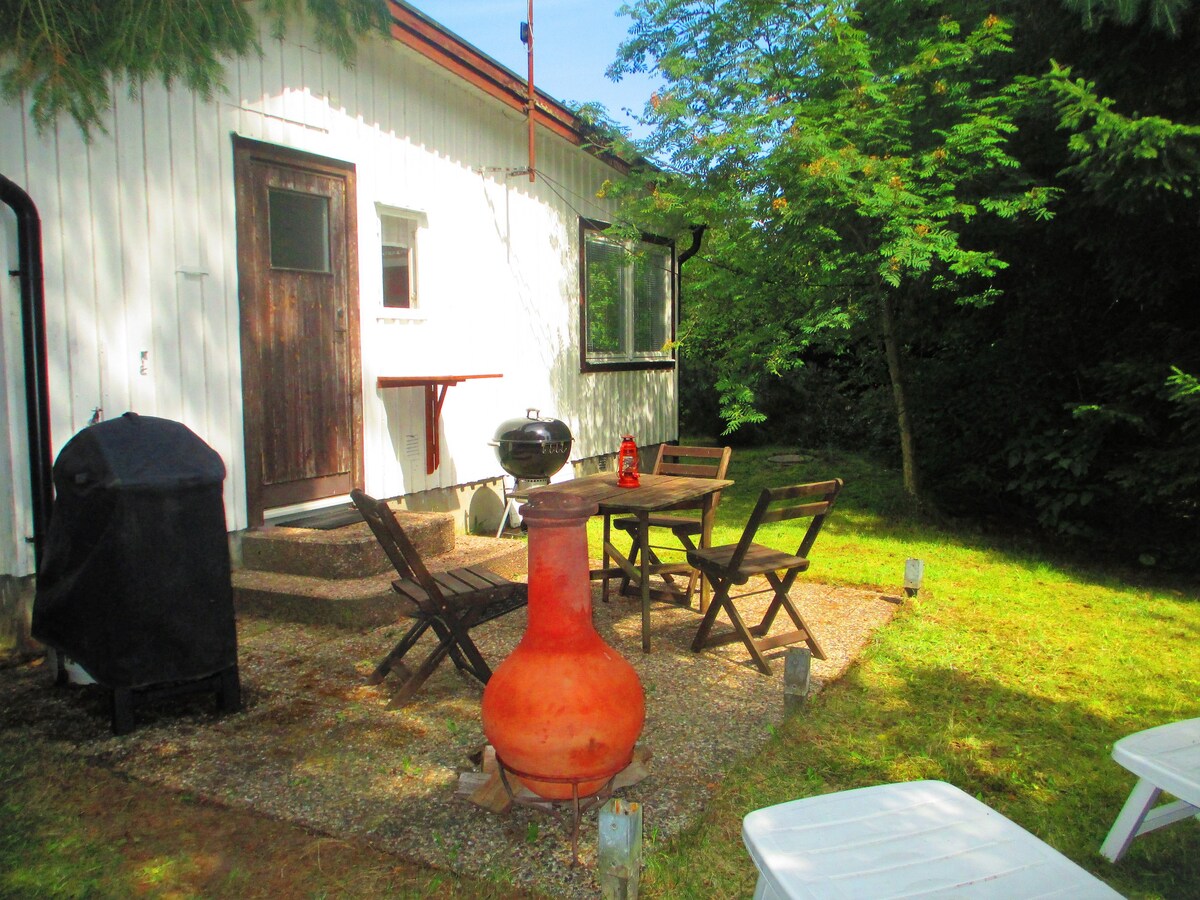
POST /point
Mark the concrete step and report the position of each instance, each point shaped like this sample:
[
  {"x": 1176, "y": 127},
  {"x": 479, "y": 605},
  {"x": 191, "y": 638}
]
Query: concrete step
[
  {"x": 361, "y": 602},
  {"x": 347, "y": 552}
]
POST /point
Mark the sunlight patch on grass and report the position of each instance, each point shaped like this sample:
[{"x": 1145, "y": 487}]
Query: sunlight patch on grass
[{"x": 1009, "y": 675}]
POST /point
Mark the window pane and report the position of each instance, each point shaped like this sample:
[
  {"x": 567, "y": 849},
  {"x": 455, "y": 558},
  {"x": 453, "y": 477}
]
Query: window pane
[
  {"x": 604, "y": 262},
  {"x": 395, "y": 230},
  {"x": 397, "y": 278},
  {"x": 299, "y": 230},
  {"x": 651, "y": 296},
  {"x": 399, "y": 235}
]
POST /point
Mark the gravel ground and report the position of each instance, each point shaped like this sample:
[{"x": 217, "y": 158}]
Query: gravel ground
[{"x": 317, "y": 746}]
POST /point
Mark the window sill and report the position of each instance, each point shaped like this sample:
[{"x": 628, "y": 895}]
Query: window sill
[
  {"x": 627, "y": 365},
  {"x": 401, "y": 315}
]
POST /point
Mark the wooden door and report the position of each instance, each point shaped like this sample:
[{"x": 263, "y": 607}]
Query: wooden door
[{"x": 298, "y": 285}]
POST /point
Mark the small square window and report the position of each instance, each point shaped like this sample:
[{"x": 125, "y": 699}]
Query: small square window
[
  {"x": 399, "y": 262},
  {"x": 299, "y": 228}
]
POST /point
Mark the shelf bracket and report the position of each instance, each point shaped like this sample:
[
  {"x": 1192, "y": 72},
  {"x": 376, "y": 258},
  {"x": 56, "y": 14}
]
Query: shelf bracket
[{"x": 435, "y": 387}]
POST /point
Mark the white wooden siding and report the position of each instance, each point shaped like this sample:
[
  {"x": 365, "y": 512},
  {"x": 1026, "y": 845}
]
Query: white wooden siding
[{"x": 139, "y": 235}]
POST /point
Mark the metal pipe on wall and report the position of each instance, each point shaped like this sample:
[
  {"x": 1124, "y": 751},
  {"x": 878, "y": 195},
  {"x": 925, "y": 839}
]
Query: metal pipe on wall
[{"x": 37, "y": 378}]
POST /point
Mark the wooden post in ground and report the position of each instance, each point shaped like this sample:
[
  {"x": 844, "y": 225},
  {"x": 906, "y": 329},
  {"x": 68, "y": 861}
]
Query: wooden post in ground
[
  {"x": 797, "y": 664},
  {"x": 620, "y": 867}
]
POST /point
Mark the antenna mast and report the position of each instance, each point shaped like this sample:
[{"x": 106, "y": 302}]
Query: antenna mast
[{"x": 530, "y": 106}]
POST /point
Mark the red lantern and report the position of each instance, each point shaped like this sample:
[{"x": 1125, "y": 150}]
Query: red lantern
[{"x": 627, "y": 463}]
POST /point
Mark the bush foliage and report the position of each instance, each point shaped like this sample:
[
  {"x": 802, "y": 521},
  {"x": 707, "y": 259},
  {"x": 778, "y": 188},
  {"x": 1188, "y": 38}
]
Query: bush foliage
[{"x": 1057, "y": 387}]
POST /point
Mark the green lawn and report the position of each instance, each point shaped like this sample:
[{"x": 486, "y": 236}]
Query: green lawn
[{"x": 1010, "y": 676}]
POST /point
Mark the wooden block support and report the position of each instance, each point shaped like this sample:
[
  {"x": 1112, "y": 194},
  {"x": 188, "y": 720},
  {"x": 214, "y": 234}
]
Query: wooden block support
[
  {"x": 797, "y": 665},
  {"x": 620, "y": 867}
]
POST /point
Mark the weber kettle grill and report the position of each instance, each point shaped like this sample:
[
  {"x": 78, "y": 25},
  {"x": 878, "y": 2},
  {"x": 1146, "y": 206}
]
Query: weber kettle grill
[{"x": 530, "y": 448}]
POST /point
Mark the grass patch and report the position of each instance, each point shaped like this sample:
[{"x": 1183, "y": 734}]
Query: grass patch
[
  {"x": 70, "y": 829},
  {"x": 1010, "y": 676}
]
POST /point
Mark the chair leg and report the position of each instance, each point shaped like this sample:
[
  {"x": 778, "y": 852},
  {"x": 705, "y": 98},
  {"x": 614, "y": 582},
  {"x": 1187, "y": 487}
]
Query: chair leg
[
  {"x": 685, "y": 541},
  {"x": 453, "y": 641},
  {"x": 740, "y": 631},
  {"x": 721, "y": 596},
  {"x": 667, "y": 577},
  {"x": 1143, "y": 796},
  {"x": 421, "y": 675},
  {"x": 462, "y": 650},
  {"x": 634, "y": 549},
  {"x": 475, "y": 664},
  {"x": 802, "y": 632},
  {"x": 397, "y": 653},
  {"x": 739, "y": 626},
  {"x": 1139, "y": 816}
]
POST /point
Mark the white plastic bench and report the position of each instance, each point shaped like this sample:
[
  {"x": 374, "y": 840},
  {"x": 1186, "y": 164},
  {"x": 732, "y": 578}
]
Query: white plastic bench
[
  {"x": 913, "y": 839},
  {"x": 1165, "y": 759}
]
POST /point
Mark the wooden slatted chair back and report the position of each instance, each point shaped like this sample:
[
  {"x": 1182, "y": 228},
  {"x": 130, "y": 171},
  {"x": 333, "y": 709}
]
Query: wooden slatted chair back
[
  {"x": 797, "y": 501},
  {"x": 449, "y": 605},
  {"x": 737, "y": 564},
  {"x": 693, "y": 462},
  {"x": 396, "y": 544}
]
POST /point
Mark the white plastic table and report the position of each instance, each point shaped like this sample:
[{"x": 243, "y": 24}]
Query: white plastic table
[
  {"x": 912, "y": 839},
  {"x": 1166, "y": 758}
]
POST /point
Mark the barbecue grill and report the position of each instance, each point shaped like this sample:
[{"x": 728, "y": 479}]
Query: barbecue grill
[
  {"x": 135, "y": 582},
  {"x": 530, "y": 448}
]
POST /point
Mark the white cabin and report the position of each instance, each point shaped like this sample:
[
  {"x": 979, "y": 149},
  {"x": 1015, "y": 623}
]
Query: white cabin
[{"x": 254, "y": 265}]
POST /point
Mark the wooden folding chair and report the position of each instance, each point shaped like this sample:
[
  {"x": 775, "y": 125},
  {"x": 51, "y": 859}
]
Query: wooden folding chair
[
  {"x": 450, "y": 603},
  {"x": 697, "y": 462},
  {"x": 736, "y": 564}
]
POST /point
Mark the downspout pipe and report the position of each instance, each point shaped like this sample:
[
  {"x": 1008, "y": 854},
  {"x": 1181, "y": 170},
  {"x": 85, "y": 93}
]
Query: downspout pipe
[
  {"x": 37, "y": 377},
  {"x": 697, "y": 240}
]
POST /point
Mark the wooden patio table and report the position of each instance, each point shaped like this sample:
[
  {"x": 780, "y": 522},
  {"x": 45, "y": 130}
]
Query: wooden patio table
[{"x": 654, "y": 493}]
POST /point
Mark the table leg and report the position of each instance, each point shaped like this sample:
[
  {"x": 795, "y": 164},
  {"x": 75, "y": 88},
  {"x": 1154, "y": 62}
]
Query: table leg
[
  {"x": 644, "y": 538},
  {"x": 707, "y": 515},
  {"x": 604, "y": 557}
]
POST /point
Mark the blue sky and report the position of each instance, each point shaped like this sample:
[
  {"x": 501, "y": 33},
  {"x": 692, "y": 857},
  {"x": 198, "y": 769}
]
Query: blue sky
[{"x": 575, "y": 41}]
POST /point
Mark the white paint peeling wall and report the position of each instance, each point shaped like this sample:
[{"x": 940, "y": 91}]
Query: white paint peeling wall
[{"x": 139, "y": 242}]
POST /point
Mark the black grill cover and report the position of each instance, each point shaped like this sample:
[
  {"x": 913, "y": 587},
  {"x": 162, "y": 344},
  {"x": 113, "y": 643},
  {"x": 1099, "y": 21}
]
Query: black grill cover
[{"x": 135, "y": 581}]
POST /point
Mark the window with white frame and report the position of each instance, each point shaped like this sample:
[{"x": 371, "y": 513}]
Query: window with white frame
[
  {"x": 399, "y": 233},
  {"x": 628, "y": 300}
]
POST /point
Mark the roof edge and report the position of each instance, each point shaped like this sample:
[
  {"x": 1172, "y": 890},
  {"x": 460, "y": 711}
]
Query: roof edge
[{"x": 419, "y": 32}]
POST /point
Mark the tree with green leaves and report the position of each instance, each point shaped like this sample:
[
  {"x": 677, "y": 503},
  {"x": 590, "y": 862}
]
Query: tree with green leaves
[
  {"x": 836, "y": 167},
  {"x": 64, "y": 57}
]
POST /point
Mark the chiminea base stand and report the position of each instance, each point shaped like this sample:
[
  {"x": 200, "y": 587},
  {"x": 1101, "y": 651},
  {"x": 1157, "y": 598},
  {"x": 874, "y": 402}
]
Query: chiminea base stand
[
  {"x": 492, "y": 789},
  {"x": 578, "y": 804}
]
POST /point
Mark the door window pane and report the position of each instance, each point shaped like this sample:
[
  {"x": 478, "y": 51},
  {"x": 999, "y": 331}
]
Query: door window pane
[{"x": 299, "y": 230}]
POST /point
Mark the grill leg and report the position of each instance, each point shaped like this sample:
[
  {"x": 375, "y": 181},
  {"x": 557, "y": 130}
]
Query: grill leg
[
  {"x": 229, "y": 692},
  {"x": 122, "y": 711}
]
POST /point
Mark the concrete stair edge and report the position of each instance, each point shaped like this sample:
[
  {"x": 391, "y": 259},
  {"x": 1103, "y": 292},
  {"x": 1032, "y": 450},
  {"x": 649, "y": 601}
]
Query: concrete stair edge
[
  {"x": 347, "y": 552},
  {"x": 364, "y": 602}
]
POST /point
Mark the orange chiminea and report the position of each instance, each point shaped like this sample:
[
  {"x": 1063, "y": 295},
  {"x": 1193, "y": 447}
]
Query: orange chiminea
[{"x": 564, "y": 711}]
